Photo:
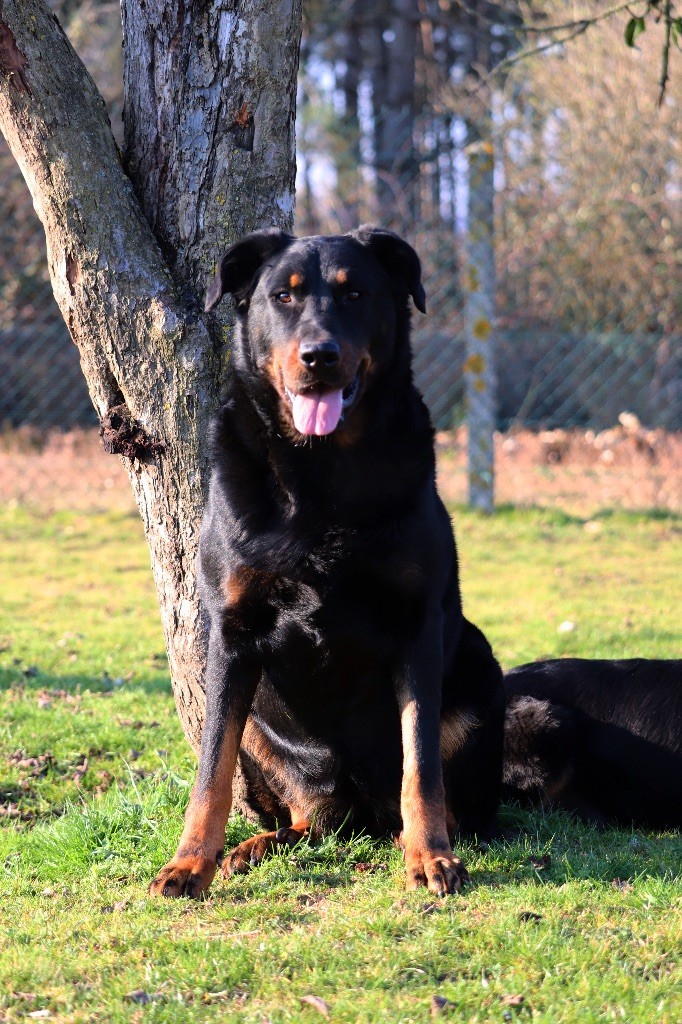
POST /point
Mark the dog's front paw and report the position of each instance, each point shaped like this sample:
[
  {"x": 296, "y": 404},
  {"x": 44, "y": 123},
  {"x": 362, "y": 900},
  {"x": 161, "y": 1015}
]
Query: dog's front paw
[
  {"x": 251, "y": 852},
  {"x": 247, "y": 854},
  {"x": 441, "y": 873},
  {"x": 184, "y": 876}
]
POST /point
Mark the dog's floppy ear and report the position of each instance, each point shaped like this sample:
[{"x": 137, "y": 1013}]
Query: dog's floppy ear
[
  {"x": 398, "y": 259},
  {"x": 241, "y": 263}
]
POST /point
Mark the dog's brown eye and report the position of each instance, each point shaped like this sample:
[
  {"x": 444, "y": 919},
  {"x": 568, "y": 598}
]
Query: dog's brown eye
[
  {"x": 353, "y": 296},
  {"x": 283, "y": 296}
]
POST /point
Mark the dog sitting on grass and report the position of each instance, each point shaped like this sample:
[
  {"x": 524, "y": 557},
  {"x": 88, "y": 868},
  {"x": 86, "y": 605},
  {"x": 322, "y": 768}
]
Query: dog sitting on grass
[{"x": 341, "y": 670}]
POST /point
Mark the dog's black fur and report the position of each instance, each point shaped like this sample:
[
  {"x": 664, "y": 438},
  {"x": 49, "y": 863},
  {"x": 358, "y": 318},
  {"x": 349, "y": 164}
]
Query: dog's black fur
[
  {"x": 329, "y": 572},
  {"x": 600, "y": 738}
]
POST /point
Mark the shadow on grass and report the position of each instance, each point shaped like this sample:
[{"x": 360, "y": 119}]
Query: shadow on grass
[
  {"x": 135, "y": 830},
  {"x": 562, "y": 518},
  {"x": 31, "y": 679},
  {"x": 553, "y": 847}
]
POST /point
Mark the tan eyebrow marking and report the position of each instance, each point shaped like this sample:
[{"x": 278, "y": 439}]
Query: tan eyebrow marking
[
  {"x": 295, "y": 280},
  {"x": 341, "y": 276}
]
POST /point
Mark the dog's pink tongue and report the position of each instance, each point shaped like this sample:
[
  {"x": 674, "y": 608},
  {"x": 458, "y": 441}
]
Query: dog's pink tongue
[{"x": 317, "y": 413}]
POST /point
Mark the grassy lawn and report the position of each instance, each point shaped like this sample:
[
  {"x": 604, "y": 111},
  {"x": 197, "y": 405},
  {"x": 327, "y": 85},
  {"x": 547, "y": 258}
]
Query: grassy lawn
[{"x": 564, "y": 924}]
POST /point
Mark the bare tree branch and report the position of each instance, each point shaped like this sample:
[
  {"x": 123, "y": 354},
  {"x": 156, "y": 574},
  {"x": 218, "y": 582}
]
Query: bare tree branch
[
  {"x": 531, "y": 29},
  {"x": 665, "y": 59},
  {"x": 561, "y": 33}
]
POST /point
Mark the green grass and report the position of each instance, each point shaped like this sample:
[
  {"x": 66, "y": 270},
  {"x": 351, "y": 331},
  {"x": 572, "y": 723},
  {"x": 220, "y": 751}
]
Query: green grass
[{"x": 84, "y": 692}]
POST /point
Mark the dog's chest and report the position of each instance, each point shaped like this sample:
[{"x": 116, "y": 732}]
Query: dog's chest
[{"x": 358, "y": 608}]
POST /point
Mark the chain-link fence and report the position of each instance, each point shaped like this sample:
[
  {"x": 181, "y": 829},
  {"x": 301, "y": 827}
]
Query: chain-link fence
[
  {"x": 587, "y": 251},
  {"x": 41, "y": 384}
]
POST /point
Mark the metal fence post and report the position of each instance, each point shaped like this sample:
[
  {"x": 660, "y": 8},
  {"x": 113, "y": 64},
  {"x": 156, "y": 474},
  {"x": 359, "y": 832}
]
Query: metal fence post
[{"x": 479, "y": 300}]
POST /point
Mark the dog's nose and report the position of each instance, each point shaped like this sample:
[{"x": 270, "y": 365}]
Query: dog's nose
[{"x": 319, "y": 355}]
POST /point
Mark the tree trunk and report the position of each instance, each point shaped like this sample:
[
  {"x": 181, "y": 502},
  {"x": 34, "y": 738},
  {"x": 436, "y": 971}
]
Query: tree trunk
[
  {"x": 372, "y": 50},
  {"x": 392, "y": 62},
  {"x": 210, "y": 150},
  {"x": 349, "y": 160}
]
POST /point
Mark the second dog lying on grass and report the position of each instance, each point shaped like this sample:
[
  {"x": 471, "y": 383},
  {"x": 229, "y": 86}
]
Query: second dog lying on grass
[{"x": 600, "y": 738}]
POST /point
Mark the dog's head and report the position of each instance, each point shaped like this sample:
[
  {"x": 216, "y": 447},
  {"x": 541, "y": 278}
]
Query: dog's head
[{"x": 320, "y": 317}]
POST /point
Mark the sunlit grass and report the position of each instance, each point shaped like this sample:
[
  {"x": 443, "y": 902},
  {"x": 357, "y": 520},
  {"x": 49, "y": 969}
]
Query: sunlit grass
[{"x": 95, "y": 774}]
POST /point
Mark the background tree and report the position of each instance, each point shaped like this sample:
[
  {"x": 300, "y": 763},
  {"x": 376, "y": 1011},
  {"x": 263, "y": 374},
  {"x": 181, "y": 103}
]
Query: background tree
[
  {"x": 567, "y": 200},
  {"x": 209, "y": 155},
  {"x": 592, "y": 183},
  {"x": 395, "y": 104}
]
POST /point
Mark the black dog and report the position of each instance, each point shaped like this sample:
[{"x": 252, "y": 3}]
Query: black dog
[
  {"x": 600, "y": 738},
  {"x": 340, "y": 666}
]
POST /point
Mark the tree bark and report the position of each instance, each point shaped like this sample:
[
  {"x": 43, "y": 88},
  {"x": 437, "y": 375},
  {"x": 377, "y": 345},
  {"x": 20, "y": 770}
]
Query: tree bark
[
  {"x": 210, "y": 151},
  {"x": 209, "y": 112}
]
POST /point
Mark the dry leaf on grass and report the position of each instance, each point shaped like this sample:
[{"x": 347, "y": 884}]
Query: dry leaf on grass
[
  {"x": 439, "y": 1004},
  {"x": 38, "y": 765},
  {"x": 318, "y": 1004},
  {"x": 80, "y": 771},
  {"x": 366, "y": 866},
  {"x": 513, "y": 1000},
  {"x": 117, "y": 907},
  {"x": 106, "y": 779},
  {"x": 216, "y": 997},
  {"x": 432, "y": 908},
  {"x": 141, "y": 997}
]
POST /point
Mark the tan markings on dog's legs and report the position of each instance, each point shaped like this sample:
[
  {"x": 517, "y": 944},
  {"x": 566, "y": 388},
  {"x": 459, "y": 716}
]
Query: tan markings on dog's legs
[
  {"x": 428, "y": 855},
  {"x": 454, "y": 732},
  {"x": 201, "y": 845},
  {"x": 422, "y": 807},
  {"x": 276, "y": 769}
]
